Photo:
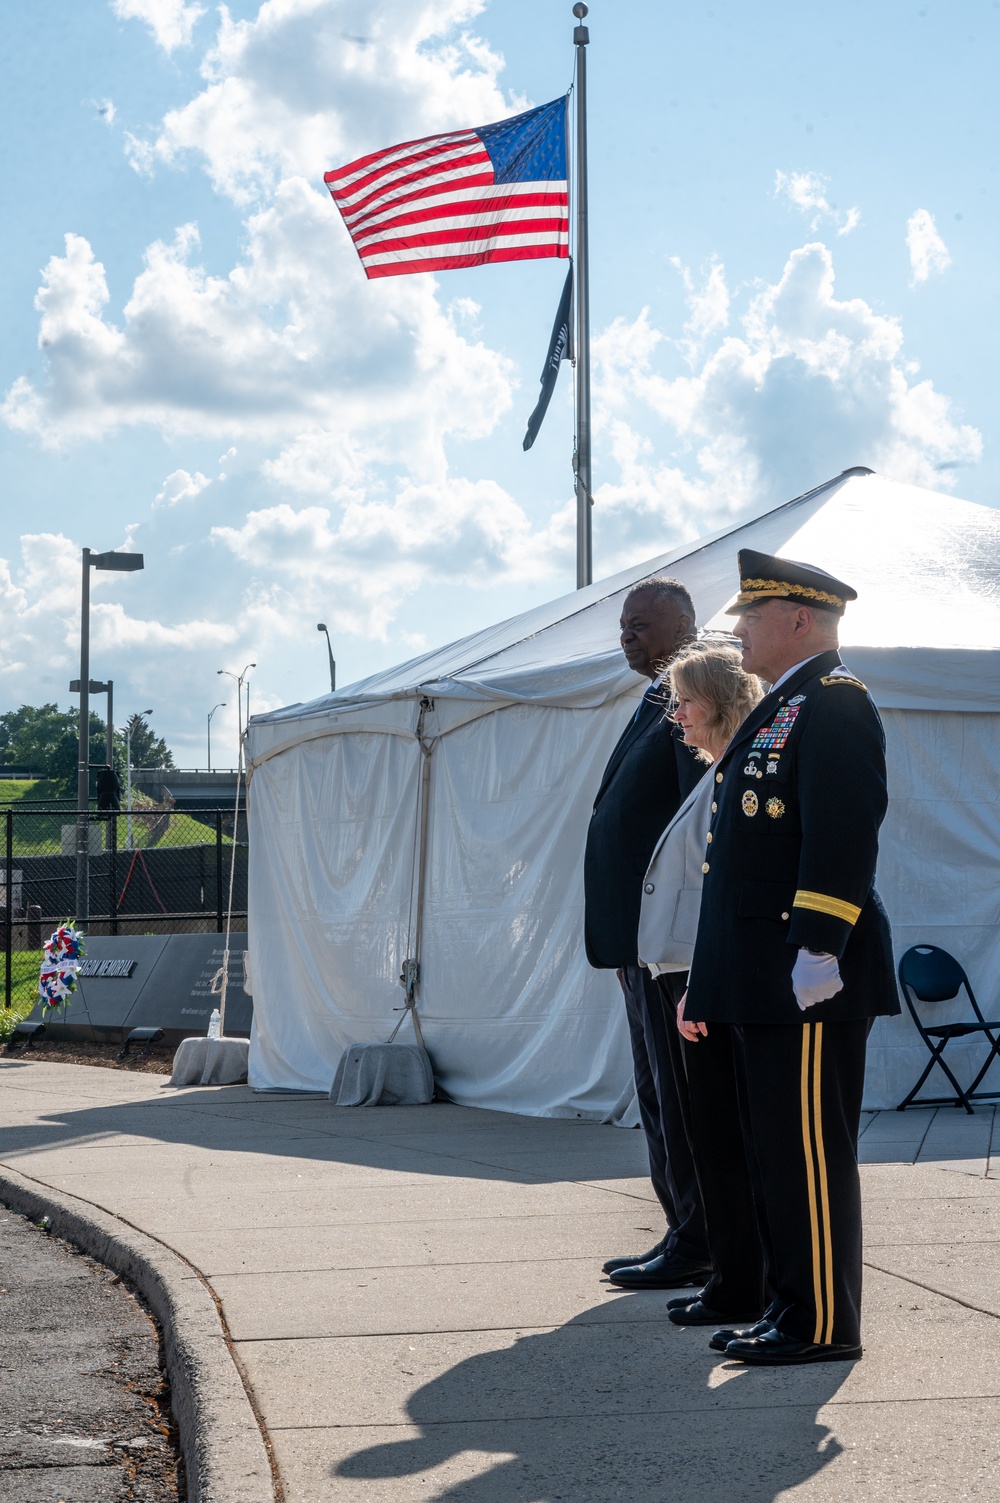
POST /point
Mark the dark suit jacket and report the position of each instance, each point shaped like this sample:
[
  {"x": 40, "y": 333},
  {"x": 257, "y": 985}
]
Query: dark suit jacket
[
  {"x": 648, "y": 775},
  {"x": 790, "y": 860}
]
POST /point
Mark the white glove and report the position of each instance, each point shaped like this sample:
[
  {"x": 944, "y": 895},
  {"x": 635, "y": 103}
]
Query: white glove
[{"x": 815, "y": 978}]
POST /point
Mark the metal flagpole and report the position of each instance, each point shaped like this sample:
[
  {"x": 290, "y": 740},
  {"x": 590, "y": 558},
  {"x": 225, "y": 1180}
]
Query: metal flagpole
[{"x": 582, "y": 466}]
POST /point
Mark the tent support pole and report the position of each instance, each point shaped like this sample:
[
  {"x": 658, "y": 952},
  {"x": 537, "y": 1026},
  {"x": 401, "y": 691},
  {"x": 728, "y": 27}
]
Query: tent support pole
[{"x": 410, "y": 978}]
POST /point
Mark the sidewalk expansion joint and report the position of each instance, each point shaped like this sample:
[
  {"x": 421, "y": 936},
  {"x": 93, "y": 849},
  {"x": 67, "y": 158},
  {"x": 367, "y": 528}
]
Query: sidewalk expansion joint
[{"x": 956, "y": 1299}]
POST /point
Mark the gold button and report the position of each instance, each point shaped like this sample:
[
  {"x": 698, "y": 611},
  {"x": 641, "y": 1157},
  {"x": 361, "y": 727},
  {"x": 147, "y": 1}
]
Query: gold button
[
  {"x": 718, "y": 777},
  {"x": 784, "y": 915},
  {"x": 760, "y": 774},
  {"x": 715, "y": 808},
  {"x": 704, "y": 866},
  {"x": 709, "y": 837}
]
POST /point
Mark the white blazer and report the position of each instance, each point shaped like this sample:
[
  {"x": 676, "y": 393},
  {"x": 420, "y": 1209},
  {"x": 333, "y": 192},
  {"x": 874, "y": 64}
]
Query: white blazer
[{"x": 671, "y": 889}]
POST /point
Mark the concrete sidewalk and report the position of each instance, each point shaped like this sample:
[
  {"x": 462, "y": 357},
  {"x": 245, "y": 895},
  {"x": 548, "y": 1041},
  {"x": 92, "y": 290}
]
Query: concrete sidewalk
[{"x": 415, "y": 1295}]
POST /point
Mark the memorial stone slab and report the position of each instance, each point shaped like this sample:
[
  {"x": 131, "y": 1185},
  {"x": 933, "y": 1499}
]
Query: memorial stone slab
[
  {"x": 115, "y": 971},
  {"x": 152, "y": 981}
]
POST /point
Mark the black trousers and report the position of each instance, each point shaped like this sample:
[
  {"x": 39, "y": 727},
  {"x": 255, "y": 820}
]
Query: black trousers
[
  {"x": 715, "y": 1130},
  {"x": 656, "y": 1059},
  {"x": 800, "y": 1088}
]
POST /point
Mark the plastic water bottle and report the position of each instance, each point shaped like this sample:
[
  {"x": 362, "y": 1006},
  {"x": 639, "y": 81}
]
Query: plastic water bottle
[{"x": 215, "y": 1025}]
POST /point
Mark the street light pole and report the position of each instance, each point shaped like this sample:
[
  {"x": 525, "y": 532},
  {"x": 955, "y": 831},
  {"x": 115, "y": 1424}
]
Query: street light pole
[
  {"x": 121, "y": 563},
  {"x": 83, "y": 762},
  {"x": 220, "y": 706},
  {"x": 321, "y": 626},
  {"x": 238, "y": 680}
]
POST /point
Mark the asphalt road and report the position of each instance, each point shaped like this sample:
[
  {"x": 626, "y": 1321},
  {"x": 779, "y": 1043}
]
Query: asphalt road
[{"x": 84, "y": 1406}]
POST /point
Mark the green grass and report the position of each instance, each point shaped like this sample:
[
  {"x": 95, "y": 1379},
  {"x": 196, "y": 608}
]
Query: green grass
[
  {"x": 40, "y": 832},
  {"x": 25, "y": 966}
]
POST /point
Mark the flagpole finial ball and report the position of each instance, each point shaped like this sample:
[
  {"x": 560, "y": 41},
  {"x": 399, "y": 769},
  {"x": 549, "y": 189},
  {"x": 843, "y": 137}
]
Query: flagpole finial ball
[{"x": 580, "y": 10}]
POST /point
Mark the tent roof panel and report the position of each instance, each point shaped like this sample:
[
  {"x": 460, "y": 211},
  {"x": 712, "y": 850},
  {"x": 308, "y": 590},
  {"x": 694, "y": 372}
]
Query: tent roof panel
[{"x": 926, "y": 567}]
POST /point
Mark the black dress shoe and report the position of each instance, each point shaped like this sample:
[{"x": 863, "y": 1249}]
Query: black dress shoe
[
  {"x": 666, "y": 1271},
  {"x": 646, "y": 1257},
  {"x": 681, "y": 1300},
  {"x": 774, "y": 1349},
  {"x": 720, "y": 1340},
  {"x": 696, "y": 1313}
]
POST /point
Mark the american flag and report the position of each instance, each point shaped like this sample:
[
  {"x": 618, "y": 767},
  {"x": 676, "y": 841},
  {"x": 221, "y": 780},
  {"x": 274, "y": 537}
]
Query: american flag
[{"x": 496, "y": 193}]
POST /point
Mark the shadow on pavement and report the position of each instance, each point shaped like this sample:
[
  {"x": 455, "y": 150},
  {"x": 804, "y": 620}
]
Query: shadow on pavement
[
  {"x": 440, "y": 1139},
  {"x": 591, "y": 1413}
]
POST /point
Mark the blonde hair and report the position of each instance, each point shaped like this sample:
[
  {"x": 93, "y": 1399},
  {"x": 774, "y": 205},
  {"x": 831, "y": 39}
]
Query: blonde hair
[{"x": 712, "y": 673}]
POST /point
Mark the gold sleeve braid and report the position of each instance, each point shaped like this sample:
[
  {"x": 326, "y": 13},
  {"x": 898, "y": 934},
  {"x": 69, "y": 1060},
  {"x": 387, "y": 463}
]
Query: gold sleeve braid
[{"x": 820, "y": 902}]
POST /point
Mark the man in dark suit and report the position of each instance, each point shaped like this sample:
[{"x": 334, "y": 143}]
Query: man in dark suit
[
  {"x": 650, "y": 772},
  {"x": 794, "y": 952}
]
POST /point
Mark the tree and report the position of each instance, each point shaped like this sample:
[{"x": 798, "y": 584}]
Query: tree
[
  {"x": 30, "y": 735},
  {"x": 45, "y": 739},
  {"x": 148, "y": 749}
]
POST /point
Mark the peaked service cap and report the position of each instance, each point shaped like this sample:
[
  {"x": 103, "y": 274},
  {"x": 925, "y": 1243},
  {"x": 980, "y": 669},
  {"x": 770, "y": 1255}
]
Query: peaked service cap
[{"x": 766, "y": 577}]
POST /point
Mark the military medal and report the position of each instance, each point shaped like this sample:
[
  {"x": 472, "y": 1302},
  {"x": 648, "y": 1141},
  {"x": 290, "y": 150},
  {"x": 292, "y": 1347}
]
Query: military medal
[
  {"x": 775, "y": 808},
  {"x": 750, "y": 803}
]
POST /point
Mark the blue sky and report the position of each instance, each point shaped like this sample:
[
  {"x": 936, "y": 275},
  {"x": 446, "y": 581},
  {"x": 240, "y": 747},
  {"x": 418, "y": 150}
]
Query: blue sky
[{"x": 794, "y": 215}]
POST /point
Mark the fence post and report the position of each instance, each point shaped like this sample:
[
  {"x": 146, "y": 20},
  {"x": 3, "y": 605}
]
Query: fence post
[
  {"x": 9, "y": 937},
  {"x": 219, "y": 925},
  {"x": 113, "y": 869}
]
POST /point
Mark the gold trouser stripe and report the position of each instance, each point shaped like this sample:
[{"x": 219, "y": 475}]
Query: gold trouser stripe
[
  {"x": 807, "y": 1039},
  {"x": 819, "y": 902},
  {"x": 824, "y": 1190}
]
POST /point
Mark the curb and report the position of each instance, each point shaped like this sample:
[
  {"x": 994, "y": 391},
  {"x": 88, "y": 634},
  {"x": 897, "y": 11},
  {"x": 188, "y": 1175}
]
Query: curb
[{"x": 225, "y": 1457}]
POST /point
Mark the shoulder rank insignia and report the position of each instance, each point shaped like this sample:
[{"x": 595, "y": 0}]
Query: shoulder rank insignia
[{"x": 842, "y": 677}]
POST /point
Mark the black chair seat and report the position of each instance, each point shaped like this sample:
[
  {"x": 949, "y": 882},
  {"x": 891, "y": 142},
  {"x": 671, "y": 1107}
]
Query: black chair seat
[{"x": 958, "y": 1030}]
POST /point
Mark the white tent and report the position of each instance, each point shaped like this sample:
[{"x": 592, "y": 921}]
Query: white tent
[{"x": 438, "y": 811}]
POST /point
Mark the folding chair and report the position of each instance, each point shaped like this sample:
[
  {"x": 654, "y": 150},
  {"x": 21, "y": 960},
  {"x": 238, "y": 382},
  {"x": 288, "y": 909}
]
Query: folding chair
[{"x": 930, "y": 974}]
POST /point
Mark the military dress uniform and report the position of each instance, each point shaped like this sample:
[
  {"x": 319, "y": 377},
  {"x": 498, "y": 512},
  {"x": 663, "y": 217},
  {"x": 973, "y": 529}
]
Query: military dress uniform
[{"x": 790, "y": 863}]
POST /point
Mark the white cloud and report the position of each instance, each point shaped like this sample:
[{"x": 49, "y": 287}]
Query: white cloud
[
  {"x": 181, "y": 486},
  {"x": 708, "y": 305},
  {"x": 172, "y": 22},
  {"x": 928, "y": 252},
  {"x": 309, "y": 84},
  {"x": 807, "y": 191},
  {"x": 811, "y": 386},
  {"x": 371, "y": 554},
  {"x": 272, "y": 351}
]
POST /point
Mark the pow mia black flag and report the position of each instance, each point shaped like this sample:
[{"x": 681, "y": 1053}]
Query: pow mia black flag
[{"x": 560, "y": 349}]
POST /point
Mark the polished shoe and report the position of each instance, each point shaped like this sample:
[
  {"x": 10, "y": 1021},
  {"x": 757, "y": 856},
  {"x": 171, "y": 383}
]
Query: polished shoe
[
  {"x": 696, "y": 1313},
  {"x": 776, "y": 1349},
  {"x": 646, "y": 1257},
  {"x": 668, "y": 1270},
  {"x": 681, "y": 1300},
  {"x": 720, "y": 1340}
]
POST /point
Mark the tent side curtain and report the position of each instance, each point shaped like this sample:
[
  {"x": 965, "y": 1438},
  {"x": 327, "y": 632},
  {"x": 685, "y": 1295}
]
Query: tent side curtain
[
  {"x": 333, "y": 844},
  {"x": 513, "y": 1016}
]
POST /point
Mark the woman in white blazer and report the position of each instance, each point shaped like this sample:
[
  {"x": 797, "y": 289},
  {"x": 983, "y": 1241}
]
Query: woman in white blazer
[{"x": 710, "y": 698}]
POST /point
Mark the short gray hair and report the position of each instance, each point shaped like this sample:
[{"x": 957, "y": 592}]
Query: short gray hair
[{"x": 663, "y": 587}]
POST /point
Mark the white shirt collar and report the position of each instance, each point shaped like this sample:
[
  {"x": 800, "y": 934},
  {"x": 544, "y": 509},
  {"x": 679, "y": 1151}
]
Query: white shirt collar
[{"x": 787, "y": 675}]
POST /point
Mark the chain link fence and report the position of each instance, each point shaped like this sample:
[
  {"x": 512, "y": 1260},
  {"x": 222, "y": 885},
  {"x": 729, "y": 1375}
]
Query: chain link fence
[{"x": 151, "y": 871}]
